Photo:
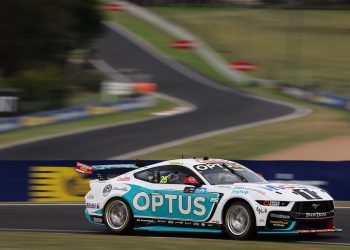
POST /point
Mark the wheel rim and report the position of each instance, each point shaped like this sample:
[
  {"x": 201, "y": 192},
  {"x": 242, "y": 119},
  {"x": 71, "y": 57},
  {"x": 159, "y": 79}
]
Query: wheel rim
[
  {"x": 238, "y": 220},
  {"x": 117, "y": 214}
]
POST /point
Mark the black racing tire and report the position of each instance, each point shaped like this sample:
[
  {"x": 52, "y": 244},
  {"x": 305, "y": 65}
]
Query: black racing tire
[
  {"x": 240, "y": 222},
  {"x": 118, "y": 216}
]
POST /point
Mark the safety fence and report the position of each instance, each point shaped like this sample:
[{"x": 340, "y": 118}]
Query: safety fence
[
  {"x": 75, "y": 113},
  {"x": 57, "y": 181}
]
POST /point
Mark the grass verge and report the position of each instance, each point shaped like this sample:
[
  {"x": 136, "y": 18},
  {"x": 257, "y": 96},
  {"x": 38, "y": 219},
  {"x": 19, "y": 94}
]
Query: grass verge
[
  {"x": 249, "y": 143},
  {"x": 24, "y": 240},
  {"x": 297, "y": 46},
  {"x": 93, "y": 122}
]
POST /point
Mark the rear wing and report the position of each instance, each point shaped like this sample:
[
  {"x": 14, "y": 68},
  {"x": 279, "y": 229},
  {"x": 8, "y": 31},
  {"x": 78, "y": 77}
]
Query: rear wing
[{"x": 101, "y": 171}]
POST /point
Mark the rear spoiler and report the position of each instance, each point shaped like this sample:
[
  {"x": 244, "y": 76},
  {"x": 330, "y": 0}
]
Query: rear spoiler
[{"x": 82, "y": 168}]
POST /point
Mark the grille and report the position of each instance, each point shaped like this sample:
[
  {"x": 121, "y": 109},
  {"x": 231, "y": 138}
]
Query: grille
[{"x": 313, "y": 207}]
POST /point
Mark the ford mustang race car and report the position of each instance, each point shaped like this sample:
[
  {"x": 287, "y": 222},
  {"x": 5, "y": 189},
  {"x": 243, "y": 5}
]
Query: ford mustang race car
[{"x": 204, "y": 195}]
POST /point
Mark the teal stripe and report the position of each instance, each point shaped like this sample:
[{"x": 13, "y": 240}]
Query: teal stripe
[
  {"x": 178, "y": 229},
  {"x": 100, "y": 211}
]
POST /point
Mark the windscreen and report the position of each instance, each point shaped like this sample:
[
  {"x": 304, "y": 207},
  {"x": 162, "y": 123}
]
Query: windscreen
[{"x": 227, "y": 173}]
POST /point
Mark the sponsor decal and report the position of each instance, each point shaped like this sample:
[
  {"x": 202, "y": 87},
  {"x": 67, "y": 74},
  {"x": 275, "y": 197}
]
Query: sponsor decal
[
  {"x": 272, "y": 187},
  {"x": 280, "y": 216},
  {"x": 96, "y": 219},
  {"x": 214, "y": 200},
  {"x": 83, "y": 168},
  {"x": 189, "y": 189},
  {"x": 315, "y": 215},
  {"x": 122, "y": 189},
  {"x": 176, "y": 163},
  {"x": 278, "y": 223},
  {"x": 93, "y": 205},
  {"x": 211, "y": 161},
  {"x": 261, "y": 210},
  {"x": 200, "y": 190},
  {"x": 315, "y": 205},
  {"x": 240, "y": 192},
  {"x": 123, "y": 178},
  {"x": 90, "y": 197},
  {"x": 107, "y": 189},
  {"x": 183, "y": 204},
  {"x": 235, "y": 166},
  {"x": 275, "y": 203},
  {"x": 206, "y": 167},
  {"x": 163, "y": 179},
  {"x": 251, "y": 189}
]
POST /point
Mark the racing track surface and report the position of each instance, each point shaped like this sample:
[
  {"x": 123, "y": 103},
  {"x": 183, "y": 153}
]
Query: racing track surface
[
  {"x": 70, "y": 218},
  {"x": 217, "y": 108}
]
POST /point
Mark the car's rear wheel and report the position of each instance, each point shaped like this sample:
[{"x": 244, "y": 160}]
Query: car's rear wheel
[
  {"x": 240, "y": 221},
  {"x": 118, "y": 216}
]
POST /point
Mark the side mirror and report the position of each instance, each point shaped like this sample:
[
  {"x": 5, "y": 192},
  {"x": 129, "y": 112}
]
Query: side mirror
[{"x": 191, "y": 181}]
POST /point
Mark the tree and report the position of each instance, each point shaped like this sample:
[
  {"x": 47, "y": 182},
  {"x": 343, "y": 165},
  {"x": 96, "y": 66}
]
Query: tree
[{"x": 39, "y": 30}]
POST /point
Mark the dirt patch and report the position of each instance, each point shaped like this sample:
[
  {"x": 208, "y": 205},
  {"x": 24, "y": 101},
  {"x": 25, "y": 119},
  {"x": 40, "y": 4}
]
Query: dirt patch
[{"x": 333, "y": 149}]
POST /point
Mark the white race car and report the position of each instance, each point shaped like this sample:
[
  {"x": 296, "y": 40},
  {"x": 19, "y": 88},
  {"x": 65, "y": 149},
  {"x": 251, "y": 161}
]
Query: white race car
[{"x": 208, "y": 195}]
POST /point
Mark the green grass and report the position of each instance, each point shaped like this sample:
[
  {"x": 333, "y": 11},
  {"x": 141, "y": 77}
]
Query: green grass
[
  {"x": 295, "y": 46},
  {"x": 102, "y": 120},
  {"x": 249, "y": 143},
  {"x": 161, "y": 41},
  {"x": 22, "y": 240}
]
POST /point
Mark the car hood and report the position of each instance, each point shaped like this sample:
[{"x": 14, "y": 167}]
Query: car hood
[{"x": 282, "y": 191}]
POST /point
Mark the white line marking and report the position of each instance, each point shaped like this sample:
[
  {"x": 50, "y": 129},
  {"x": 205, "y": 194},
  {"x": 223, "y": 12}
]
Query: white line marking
[{"x": 325, "y": 243}]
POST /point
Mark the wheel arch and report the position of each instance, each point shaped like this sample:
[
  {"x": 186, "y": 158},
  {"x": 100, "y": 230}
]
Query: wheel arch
[
  {"x": 115, "y": 197},
  {"x": 230, "y": 202}
]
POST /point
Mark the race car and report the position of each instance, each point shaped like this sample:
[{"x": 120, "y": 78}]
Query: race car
[{"x": 203, "y": 195}]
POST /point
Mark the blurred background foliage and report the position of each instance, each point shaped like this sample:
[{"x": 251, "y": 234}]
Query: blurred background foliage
[{"x": 37, "y": 37}]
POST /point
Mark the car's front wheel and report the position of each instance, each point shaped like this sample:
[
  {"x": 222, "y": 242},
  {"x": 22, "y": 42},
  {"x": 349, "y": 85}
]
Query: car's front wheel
[
  {"x": 118, "y": 216},
  {"x": 240, "y": 221}
]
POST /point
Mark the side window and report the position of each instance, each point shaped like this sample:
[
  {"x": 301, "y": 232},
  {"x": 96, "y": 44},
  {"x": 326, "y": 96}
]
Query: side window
[
  {"x": 166, "y": 174},
  {"x": 148, "y": 175}
]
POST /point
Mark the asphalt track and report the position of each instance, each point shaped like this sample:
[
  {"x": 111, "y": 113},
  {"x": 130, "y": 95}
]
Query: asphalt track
[
  {"x": 217, "y": 108},
  {"x": 71, "y": 219}
]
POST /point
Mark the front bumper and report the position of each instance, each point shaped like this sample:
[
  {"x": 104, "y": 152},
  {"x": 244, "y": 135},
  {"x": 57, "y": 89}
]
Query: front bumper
[{"x": 282, "y": 222}]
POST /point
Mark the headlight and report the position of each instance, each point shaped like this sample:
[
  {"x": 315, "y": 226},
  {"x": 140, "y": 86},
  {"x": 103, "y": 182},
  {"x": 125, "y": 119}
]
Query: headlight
[{"x": 273, "y": 203}]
